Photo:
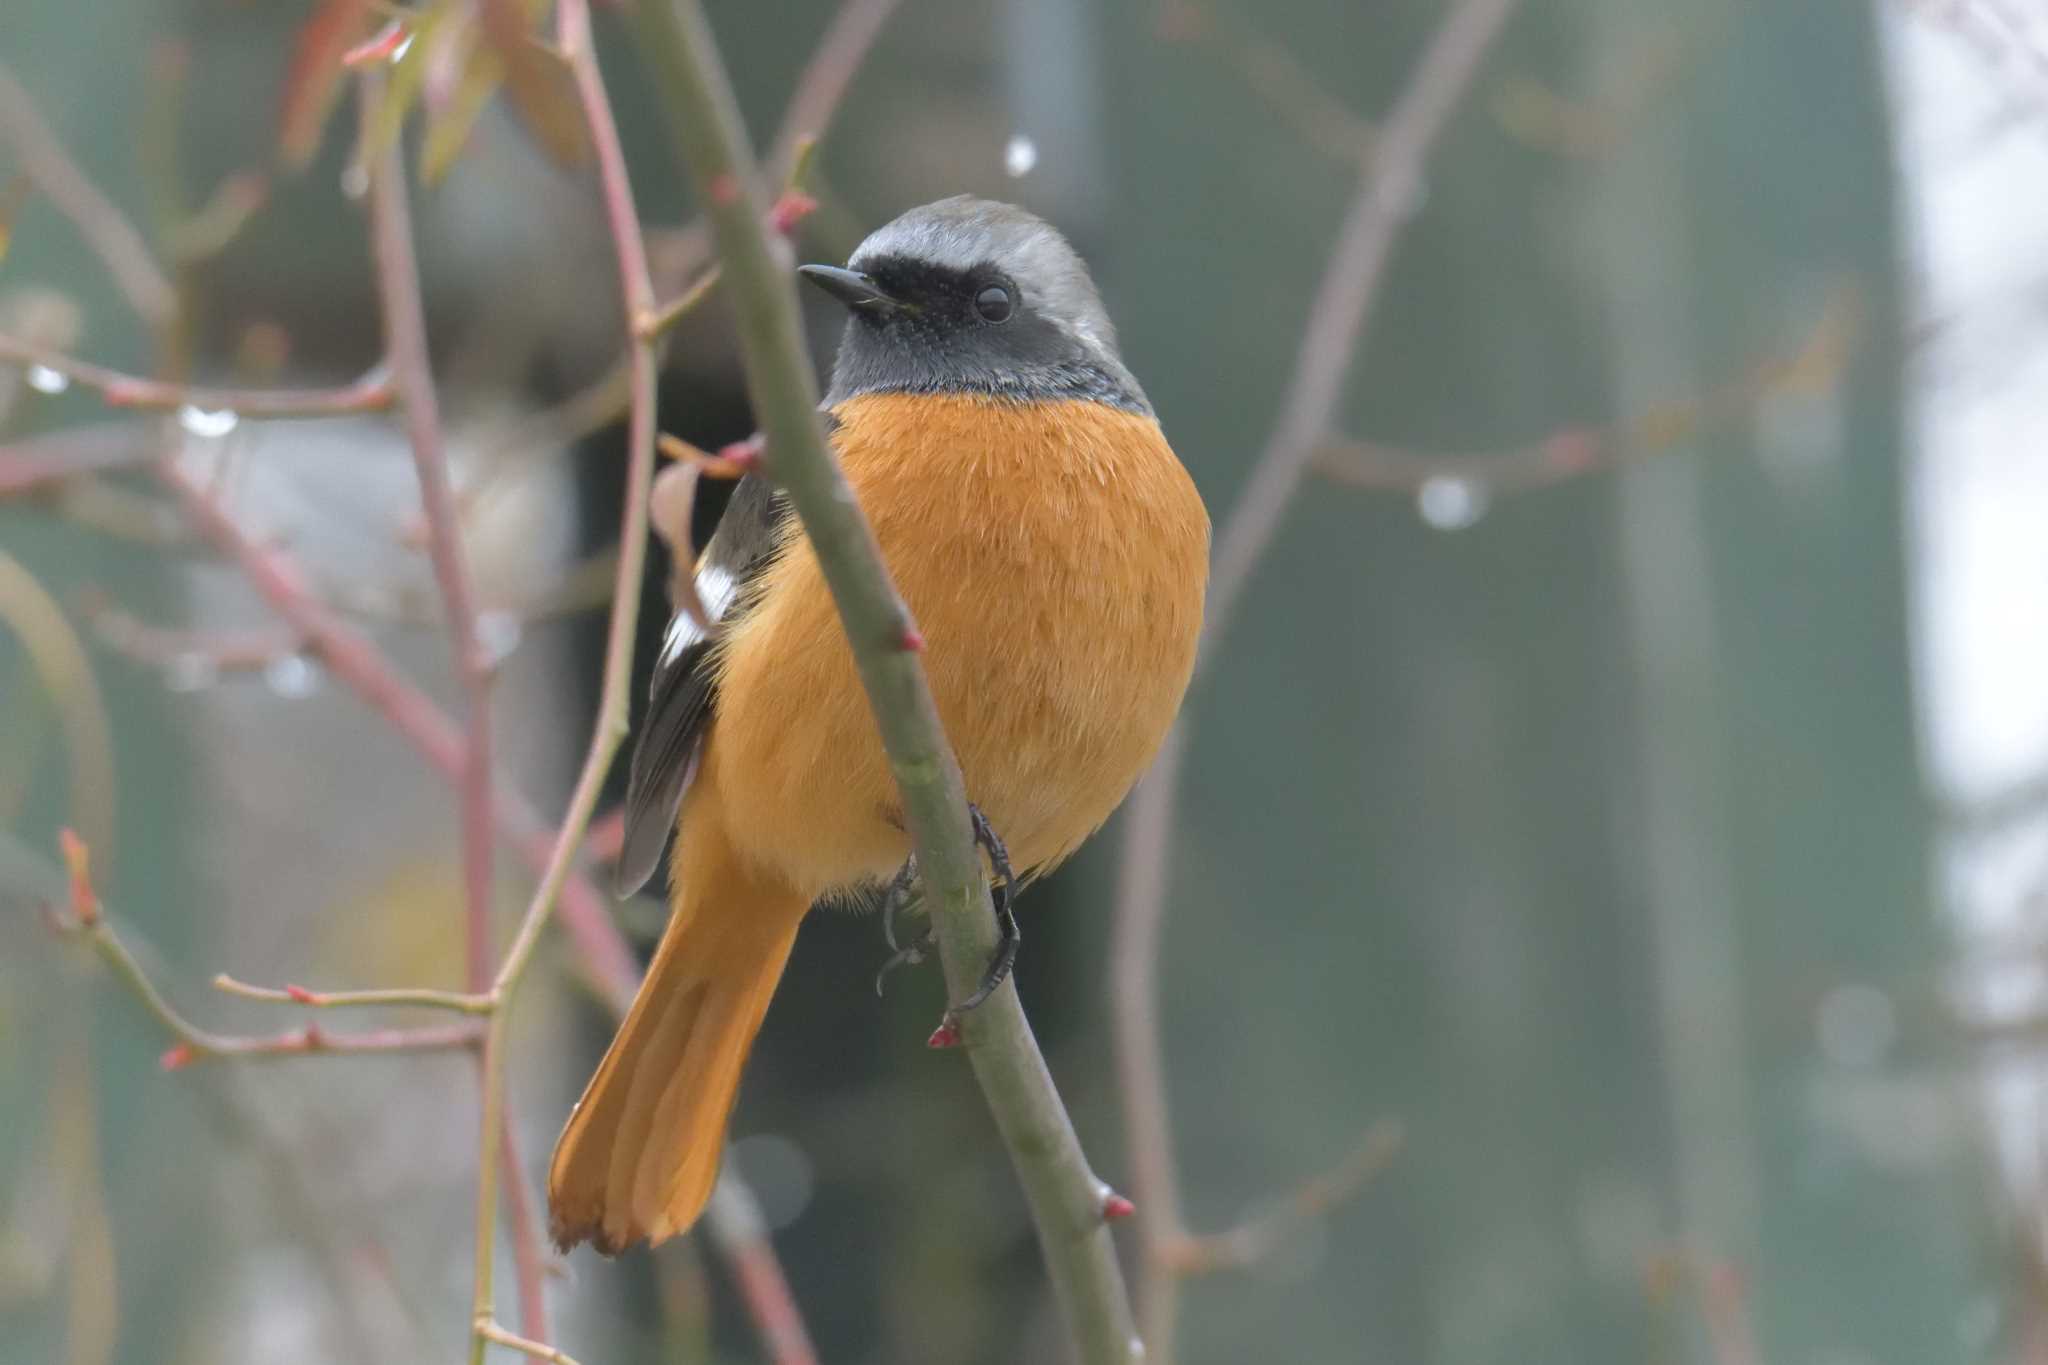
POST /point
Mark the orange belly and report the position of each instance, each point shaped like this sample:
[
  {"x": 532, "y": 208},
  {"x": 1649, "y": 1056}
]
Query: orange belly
[{"x": 1054, "y": 555}]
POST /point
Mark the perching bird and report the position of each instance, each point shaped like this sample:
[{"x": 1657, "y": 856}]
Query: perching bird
[{"x": 1053, "y": 553}]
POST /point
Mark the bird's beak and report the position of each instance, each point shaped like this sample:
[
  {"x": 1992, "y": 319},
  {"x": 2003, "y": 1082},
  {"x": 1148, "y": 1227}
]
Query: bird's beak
[{"x": 850, "y": 287}]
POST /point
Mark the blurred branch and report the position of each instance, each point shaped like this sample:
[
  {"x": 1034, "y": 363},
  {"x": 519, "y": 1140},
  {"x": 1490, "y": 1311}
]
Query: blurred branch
[
  {"x": 86, "y": 918},
  {"x": 740, "y": 1232},
  {"x": 61, "y": 665},
  {"x": 825, "y": 80},
  {"x": 103, "y": 227},
  {"x": 1575, "y": 451},
  {"x": 1385, "y": 202},
  {"x": 405, "y": 343},
  {"x": 1067, "y": 1200},
  {"x": 1254, "y": 1239},
  {"x": 117, "y": 390},
  {"x": 1279, "y": 77},
  {"x": 359, "y": 663},
  {"x": 220, "y": 651},
  {"x": 813, "y": 103},
  {"x": 377, "y": 999},
  {"x": 486, "y": 1330}
]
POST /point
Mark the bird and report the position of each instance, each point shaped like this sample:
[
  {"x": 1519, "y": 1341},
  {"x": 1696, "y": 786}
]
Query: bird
[{"x": 1053, "y": 553}]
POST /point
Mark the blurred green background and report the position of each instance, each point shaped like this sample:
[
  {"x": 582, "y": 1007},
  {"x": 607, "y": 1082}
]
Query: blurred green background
[{"x": 1581, "y": 821}]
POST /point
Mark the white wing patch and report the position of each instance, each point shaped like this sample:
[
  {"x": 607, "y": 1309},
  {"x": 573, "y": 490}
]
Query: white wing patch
[{"x": 715, "y": 589}]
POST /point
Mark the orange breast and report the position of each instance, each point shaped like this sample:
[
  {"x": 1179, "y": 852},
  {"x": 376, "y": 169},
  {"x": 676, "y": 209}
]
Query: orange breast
[{"x": 1053, "y": 554}]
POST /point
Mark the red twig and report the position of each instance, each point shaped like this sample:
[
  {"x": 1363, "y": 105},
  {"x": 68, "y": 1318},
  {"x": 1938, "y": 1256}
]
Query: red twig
[
  {"x": 370, "y": 393},
  {"x": 405, "y": 343},
  {"x": 741, "y": 1235},
  {"x": 361, "y": 666},
  {"x": 826, "y": 79},
  {"x": 28, "y": 464},
  {"x": 1386, "y": 200}
]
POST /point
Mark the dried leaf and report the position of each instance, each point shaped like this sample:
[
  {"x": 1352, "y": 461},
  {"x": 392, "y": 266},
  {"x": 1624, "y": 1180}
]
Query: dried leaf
[
  {"x": 407, "y": 78},
  {"x": 313, "y": 79},
  {"x": 542, "y": 93}
]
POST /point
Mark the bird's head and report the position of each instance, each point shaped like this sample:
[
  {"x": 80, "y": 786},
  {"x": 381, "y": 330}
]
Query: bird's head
[{"x": 973, "y": 296}]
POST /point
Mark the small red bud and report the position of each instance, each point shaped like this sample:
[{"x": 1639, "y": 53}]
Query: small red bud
[
  {"x": 790, "y": 209},
  {"x": 912, "y": 640},
  {"x": 85, "y": 904},
  {"x": 300, "y": 994},
  {"x": 725, "y": 188},
  {"x": 947, "y": 1034},
  {"x": 382, "y": 44},
  {"x": 744, "y": 454},
  {"x": 1115, "y": 1206},
  {"x": 312, "y": 1040},
  {"x": 176, "y": 1057}
]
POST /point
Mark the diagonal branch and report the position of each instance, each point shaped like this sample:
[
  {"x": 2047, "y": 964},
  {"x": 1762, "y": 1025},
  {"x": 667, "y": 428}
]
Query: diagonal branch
[
  {"x": 105, "y": 230},
  {"x": 1385, "y": 201},
  {"x": 1066, "y": 1199},
  {"x": 117, "y": 390}
]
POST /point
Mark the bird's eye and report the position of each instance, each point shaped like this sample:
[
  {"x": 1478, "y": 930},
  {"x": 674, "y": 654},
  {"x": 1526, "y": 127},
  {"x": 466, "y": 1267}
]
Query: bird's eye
[{"x": 993, "y": 303}]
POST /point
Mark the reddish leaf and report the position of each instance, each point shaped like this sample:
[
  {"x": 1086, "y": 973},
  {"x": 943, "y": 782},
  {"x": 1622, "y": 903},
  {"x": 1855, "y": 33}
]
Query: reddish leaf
[
  {"x": 313, "y": 80},
  {"x": 542, "y": 93}
]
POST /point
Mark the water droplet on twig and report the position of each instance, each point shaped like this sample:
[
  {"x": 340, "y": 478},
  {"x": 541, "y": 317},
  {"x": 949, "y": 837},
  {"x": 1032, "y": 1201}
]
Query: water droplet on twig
[
  {"x": 1020, "y": 154},
  {"x": 498, "y": 632},
  {"x": 208, "y": 422},
  {"x": 1452, "y": 504},
  {"x": 291, "y": 675},
  {"x": 43, "y": 379}
]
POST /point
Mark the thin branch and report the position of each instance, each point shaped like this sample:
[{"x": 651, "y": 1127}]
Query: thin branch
[
  {"x": 405, "y": 342},
  {"x": 370, "y": 393},
  {"x": 375, "y": 999},
  {"x": 826, "y": 78},
  {"x": 1386, "y": 200},
  {"x": 88, "y": 920},
  {"x": 1066, "y": 1198},
  {"x": 741, "y": 1234},
  {"x": 126, "y": 634},
  {"x": 1254, "y": 1239},
  {"x": 52, "y": 457},
  {"x": 1578, "y": 451},
  {"x": 103, "y": 227},
  {"x": 359, "y": 664},
  {"x": 487, "y": 1330},
  {"x": 573, "y": 34}
]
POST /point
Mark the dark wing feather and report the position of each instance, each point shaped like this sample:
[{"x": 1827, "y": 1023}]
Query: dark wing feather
[{"x": 683, "y": 695}]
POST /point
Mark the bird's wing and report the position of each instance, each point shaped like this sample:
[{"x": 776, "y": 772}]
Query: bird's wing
[{"x": 683, "y": 695}]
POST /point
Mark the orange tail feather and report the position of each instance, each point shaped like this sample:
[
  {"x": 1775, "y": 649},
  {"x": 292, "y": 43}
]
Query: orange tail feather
[{"x": 641, "y": 1149}]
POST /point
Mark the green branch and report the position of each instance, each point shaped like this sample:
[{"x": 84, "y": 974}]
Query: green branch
[{"x": 1066, "y": 1198}]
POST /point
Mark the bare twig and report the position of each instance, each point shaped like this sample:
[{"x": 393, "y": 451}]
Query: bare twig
[
  {"x": 31, "y": 463},
  {"x": 377, "y": 999},
  {"x": 741, "y": 1234},
  {"x": 1386, "y": 199},
  {"x": 104, "y": 229},
  {"x": 357, "y": 662},
  {"x": 405, "y": 343},
  {"x": 573, "y": 34},
  {"x": 1578, "y": 451},
  {"x": 486, "y": 1330},
  {"x": 88, "y": 919},
  {"x": 825, "y": 80},
  {"x": 1066, "y": 1199},
  {"x": 117, "y": 390}
]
